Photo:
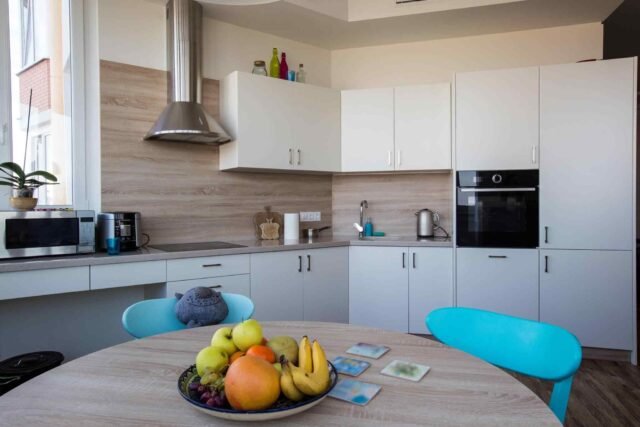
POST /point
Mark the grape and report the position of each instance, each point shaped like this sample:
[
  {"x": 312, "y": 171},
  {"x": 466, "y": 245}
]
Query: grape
[
  {"x": 201, "y": 389},
  {"x": 205, "y": 396},
  {"x": 194, "y": 386},
  {"x": 211, "y": 402}
]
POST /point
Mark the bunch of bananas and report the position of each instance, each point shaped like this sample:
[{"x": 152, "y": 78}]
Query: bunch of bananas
[{"x": 310, "y": 377}]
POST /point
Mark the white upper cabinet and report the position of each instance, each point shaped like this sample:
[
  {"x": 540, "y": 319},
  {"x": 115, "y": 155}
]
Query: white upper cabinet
[
  {"x": 586, "y": 155},
  {"x": 279, "y": 125},
  {"x": 367, "y": 130},
  {"x": 423, "y": 127},
  {"x": 497, "y": 119}
]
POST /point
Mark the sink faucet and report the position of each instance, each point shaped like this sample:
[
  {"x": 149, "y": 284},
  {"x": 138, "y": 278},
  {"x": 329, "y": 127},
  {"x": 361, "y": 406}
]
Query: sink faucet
[{"x": 363, "y": 205}]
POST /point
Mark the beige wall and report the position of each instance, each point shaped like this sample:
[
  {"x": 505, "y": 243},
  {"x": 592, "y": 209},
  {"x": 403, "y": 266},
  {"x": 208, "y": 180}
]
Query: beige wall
[
  {"x": 133, "y": 32},
  {"x": 438, "y": 60}
]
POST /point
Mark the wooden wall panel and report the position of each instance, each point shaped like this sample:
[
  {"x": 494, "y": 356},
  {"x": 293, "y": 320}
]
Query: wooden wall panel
[
  {"x": 177, "y": 187},
  {"x": 393, "y": 199}
]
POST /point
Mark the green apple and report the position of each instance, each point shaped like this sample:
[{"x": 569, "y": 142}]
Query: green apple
[
  {"x": 222, "y": 339},
  {"x": 211, "y": 358},
  {"x": 246, "y": 334},
  {"x": 284, "y": 346}
]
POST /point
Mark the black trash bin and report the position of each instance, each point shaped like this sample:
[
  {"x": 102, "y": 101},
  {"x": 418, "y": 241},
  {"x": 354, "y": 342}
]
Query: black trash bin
[{"x": 20, "y": 369}]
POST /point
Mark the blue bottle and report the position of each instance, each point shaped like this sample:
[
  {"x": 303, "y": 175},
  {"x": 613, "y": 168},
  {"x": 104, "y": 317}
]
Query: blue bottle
[{"x": 368, "y": 228}]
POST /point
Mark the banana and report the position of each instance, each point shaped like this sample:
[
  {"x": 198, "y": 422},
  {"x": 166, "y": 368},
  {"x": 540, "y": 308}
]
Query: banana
[
  {"x": 304, "y": 355},
  {"x": 289, "y": 389},
  {"x": 316, "y": 382}
]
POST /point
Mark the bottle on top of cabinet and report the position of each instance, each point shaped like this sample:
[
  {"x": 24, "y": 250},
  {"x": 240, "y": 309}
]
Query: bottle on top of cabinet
[
  {"x": 274, "y": 66},
  {"x": 301, "y": 76},
  {"x": 284, "y": 67}
]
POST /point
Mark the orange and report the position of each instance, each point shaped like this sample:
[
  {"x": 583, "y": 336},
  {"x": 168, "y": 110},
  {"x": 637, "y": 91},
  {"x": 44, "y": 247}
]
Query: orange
[
  {"x": 235, "y": 356},
  {"x": 263, "y": 352},
  {"x": 252, "y": 384}
]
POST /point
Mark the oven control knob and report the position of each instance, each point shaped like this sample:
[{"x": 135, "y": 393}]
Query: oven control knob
[{"x": 497, "y": 178}]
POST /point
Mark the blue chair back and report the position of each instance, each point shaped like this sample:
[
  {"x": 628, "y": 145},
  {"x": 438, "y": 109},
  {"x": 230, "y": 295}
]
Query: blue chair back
[
  {"x": 531, "y": 348},
  {"x": 157, "y": 316}
]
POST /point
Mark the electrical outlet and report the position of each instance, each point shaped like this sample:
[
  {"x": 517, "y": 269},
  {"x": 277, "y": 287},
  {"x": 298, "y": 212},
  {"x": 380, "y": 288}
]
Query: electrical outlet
[{"x": 310, "y": 216}]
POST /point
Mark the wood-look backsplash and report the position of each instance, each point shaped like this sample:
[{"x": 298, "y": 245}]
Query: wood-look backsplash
[
  {"x": 177, "y": 187},
  {"x": 393, "y": 200}
]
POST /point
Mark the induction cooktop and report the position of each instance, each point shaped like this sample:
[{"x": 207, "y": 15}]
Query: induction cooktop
[{"x": 198, "y": 246}]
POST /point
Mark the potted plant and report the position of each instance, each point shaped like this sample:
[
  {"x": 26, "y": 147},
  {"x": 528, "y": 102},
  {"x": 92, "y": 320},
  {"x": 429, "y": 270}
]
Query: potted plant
[{"x": 24, "y": 184}]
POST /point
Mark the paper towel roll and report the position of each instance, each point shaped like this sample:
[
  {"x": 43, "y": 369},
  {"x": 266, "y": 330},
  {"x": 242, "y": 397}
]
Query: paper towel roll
[{"x": 291, "y": 226}]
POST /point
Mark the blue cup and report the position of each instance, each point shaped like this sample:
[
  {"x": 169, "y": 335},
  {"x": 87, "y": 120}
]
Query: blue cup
[{"x": 113, "y": 245}]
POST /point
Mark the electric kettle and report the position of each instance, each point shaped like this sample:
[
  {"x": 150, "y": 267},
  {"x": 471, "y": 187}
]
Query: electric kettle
[{"x": 427, "y": 222}]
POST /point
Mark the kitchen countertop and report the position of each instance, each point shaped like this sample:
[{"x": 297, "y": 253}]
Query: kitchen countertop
[{"x": 253, "y": 246}]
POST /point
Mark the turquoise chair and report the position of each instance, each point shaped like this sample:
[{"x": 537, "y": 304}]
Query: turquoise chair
[
  {"x": 531, "y": 348},
  {"x": 157, "y": 316}
]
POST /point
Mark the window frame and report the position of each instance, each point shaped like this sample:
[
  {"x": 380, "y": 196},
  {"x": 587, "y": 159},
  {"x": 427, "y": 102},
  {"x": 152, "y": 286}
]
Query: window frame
[{"x": 79, "y": 192}]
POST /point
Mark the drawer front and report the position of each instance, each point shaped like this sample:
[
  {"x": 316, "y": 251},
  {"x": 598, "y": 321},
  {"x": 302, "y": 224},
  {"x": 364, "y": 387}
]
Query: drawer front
[
  {"x": 240, "y": 284},
  {"x": 200, "y": 268},
  {"x": 22, "y": 284},
  {"x": 128, "y": 274}
]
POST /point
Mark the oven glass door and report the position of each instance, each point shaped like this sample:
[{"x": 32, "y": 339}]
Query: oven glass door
[{"x": 497, "y": 217}]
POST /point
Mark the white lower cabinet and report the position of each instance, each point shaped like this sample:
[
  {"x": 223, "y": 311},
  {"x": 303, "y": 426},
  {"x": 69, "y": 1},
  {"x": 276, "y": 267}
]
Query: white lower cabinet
[
  {"x": 500, "y": 280},
  {"x": 240, "y": 284},
  {"x": 378, "y": 287},
  {"x": 300, "y": 285},
  {"x": 326, "y": 285},
  {"x": 430, "y": 284},
  {"x": 589, "y": 293}
]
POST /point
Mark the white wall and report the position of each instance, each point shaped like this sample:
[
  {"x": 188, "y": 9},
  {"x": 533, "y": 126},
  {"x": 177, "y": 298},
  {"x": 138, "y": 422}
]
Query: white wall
[
  {"x": 437, "y": 60},
  {"x": 137, "y": 37}
]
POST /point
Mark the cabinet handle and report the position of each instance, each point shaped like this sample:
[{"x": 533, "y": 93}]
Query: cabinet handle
[
  {"x": 389, "y": 158},
  {"x": 546, "y": 263},
  {"x": 308, "y": 262},
  {"x": 546, "y": 234},
  {"x": 399, "y": 157},
  {"x": 299, "y": 156},
  {"x": 404, "y": 262},
  {"x": 211, "y": 265},
  {"x": 299, "y": 263},
  {"x": 214, "y": 286},
  {"x": 414, "y": 260},
  {"x": 533, "y": 154},
  {"x": 291, "y": 156},
  {"x": 498, "y": 256}
]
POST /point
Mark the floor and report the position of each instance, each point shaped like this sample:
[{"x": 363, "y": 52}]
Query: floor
[{"x": 604, "y": 393}]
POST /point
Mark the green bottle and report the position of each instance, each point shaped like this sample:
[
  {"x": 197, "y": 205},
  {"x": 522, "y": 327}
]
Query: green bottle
[{"x": 274, "y": 67}]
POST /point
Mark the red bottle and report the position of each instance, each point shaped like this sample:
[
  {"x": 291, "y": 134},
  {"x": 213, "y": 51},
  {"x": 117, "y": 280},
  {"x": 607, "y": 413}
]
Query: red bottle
[{"x": 284, "y": 68}]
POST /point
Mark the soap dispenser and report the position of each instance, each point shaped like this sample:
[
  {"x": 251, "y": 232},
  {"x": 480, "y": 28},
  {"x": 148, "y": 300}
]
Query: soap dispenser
[{"x": 368, "y": 228}]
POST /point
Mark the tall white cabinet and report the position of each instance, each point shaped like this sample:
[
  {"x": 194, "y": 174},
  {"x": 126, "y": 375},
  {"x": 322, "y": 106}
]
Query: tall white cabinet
[
  {"x": 586, "y": 144},
  {"x": 497, "y": 119}
]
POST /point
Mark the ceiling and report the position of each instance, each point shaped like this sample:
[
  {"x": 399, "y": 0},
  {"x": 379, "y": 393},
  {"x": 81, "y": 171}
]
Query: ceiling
[{"x": 339, "y": 24}]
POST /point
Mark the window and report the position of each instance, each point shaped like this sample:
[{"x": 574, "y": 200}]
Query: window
[{"x": 42, "y": 56}]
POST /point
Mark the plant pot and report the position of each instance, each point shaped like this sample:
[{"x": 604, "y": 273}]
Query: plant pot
[{"x": 24, "y": 203}]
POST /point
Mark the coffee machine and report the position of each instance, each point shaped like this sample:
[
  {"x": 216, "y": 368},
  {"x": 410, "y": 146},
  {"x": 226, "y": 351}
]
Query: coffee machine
[{"x": 122, "y": 225}]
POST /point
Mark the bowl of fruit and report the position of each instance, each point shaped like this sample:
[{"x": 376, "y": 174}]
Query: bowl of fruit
[{"x": 244, "y": 377}]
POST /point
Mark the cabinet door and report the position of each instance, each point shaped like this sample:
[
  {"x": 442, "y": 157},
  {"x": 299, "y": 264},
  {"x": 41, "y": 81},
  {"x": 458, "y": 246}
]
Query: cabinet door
[
  {"x": 500, "y": 280},
  {"x": 423, "y": 127},
  {"x": 367, "y": 130},
  {"x": 589, "y": 293},
  {"x": 430, "y": 284},
  {"x": 378, "y": 287},
  {"x": 586, "y": 142},
  {"x": 277, "y": 285},
  {"x": 326, "y": 285},
  {"x": 240, "y": 284},
  {"x": 497, "y": 119}
]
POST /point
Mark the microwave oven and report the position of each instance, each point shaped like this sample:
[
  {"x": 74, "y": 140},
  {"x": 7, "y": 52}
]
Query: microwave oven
[{"x": 44, "y": 233}]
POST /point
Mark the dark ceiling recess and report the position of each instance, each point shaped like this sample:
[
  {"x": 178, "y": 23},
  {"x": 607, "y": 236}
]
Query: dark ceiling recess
[{"x": 622, "y": 31}]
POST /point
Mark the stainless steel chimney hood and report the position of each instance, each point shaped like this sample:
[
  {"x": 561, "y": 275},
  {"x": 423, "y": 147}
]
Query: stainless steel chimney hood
[{"x": 184, "y": 119}]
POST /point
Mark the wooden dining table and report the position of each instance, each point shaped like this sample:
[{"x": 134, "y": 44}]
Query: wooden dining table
[{"x": 135, "y": 383}]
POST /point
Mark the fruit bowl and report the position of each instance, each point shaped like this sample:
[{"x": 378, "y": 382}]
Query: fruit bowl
[{"x": 282, "y": 408}]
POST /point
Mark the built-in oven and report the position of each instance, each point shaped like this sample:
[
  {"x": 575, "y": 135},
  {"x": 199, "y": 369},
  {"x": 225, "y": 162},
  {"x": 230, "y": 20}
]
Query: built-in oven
[{"x": 497, "y": 209}]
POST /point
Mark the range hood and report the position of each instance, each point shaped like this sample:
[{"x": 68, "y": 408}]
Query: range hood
[{"x": 184, "y": 119}]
